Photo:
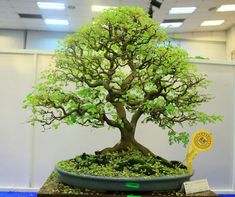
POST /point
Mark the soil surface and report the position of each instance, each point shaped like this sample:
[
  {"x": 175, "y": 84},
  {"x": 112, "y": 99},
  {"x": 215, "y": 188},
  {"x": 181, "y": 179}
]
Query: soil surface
[{"x": 123, "y": 164}]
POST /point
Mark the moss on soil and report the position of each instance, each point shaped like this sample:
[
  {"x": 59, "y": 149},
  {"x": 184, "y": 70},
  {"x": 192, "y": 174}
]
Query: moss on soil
[{"x": 123, "y": 164}]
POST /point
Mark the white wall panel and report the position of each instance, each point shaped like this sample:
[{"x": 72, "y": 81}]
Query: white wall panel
[
  {"x": 206, "y": 44},
  {"x": 44, "y": 40},
  {"x": 16, "y": 78},
  {"x": 215, "y": 36},
  {"x": 46, "y": 148},
  {"x": 11, "y": 39},
  {"x": 230, "y": 45},
  {"x": 216, "y": 165},
  {"x": 207, "y": 49}
]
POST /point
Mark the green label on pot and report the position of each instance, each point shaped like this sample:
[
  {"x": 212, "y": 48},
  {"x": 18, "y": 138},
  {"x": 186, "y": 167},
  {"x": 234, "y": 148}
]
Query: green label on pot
[
  {"x": 132, "y": 185},
  {"x": 132, "y": 196}
]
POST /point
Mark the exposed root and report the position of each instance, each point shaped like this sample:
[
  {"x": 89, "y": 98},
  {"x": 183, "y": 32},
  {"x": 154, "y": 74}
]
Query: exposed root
[
  {"x": 134, "y": 145},
  {"x": 128, "y": 146}
]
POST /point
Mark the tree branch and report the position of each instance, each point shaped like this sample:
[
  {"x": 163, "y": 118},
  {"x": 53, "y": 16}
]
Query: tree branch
[
  {"x": 136, "y": 117},
  {"x": 111, "y": 122}
]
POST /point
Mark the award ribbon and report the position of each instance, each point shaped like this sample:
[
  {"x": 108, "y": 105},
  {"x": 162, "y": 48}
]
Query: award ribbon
[{"x": 202, "y": 141}]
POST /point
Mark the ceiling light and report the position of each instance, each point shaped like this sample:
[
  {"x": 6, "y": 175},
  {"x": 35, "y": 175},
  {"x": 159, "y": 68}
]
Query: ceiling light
[
  {"x": 226, "y": 8},
  {"x": 56, "y": 22},
  {"x": 171, "y": 25},
  {"x": 212, "y": 23},
  {"x": 100, "y": 8},
  {"x": 182, "y": 10},
  {"x": 51, "y": 6}
]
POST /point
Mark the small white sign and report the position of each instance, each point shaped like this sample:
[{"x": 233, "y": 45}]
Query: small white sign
[{"x": 196, "y": 186}]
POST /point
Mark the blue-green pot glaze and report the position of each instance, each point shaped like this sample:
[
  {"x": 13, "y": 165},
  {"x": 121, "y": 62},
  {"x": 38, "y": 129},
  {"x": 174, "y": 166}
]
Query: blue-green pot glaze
[{"x": 102, "y": 183}]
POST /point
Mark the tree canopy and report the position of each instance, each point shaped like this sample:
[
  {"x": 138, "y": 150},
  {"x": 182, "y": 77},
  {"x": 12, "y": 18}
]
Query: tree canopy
[{"x": 116, "y": 69}]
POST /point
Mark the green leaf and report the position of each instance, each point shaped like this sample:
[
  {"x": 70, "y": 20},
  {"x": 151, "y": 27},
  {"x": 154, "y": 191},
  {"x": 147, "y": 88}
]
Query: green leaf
[
  {"x": 170, "y": 108},
  {"x": 55, "y": 126}
]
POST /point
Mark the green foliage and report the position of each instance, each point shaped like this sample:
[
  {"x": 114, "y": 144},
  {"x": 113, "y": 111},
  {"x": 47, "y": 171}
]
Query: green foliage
[
  {"x": 122, "y": 164},
  {"x": 121, "y": 62}
]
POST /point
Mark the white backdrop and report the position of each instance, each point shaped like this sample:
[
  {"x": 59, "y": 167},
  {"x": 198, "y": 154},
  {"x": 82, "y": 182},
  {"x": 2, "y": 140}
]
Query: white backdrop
[{"x": 27, "y": 156}]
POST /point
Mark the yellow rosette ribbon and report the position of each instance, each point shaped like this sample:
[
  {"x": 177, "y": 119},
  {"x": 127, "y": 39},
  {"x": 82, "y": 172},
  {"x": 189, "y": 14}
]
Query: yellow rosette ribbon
[{"x": 202, "y": 141}]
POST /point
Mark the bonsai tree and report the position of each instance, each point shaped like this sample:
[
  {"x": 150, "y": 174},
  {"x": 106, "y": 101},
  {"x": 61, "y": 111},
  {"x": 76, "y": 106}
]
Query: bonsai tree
[{"x": 116, "y": 70}]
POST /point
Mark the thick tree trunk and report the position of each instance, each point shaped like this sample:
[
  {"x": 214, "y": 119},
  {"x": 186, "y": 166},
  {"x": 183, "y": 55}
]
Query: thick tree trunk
[{"x": 128, "y": 143}]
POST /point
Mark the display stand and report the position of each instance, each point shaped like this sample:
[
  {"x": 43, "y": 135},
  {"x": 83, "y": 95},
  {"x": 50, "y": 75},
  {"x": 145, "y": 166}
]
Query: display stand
[{"x": 53, "y": 188}]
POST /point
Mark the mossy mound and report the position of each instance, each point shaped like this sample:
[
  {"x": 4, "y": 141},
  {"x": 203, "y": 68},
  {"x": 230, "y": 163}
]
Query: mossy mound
[{"x": 123, "y": 164}]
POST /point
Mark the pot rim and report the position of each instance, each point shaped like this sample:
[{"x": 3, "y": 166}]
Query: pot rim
[{"x": 162, "y": 178}]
